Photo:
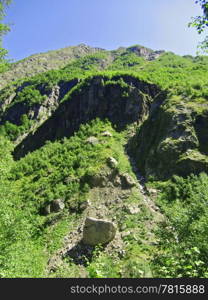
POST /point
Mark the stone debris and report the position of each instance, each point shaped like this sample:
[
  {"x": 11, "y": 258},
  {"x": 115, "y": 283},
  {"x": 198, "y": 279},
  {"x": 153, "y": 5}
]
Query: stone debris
[
  {"x": 85, "y": 205},
  {"x": 92, "y": 140},
  {"x": 97, "y": 231},
  {"x": 112, "y": 162},
  {"x": 57, "y": 205},
  {"x": 127, "y": 180},
  {"x": 106, "y": 133},
  {"x": 132, "y": 210}
]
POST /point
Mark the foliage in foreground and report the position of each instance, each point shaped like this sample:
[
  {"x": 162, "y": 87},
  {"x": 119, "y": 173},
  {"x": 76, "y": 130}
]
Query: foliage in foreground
[
  {"x": 183, "y": 246},
  {"x": 58, "y": 170}
]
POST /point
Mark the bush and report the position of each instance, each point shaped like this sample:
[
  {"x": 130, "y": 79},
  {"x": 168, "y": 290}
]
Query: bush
[{"x": 183, "y": 239}]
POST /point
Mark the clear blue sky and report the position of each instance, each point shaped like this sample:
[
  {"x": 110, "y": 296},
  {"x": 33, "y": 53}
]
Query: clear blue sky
[{"x": 42, "y": 25}]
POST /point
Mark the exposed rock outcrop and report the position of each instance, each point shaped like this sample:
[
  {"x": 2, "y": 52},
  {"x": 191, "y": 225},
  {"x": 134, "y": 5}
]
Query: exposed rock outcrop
[
  {"x": 98, "y": 98},
  {"x": 42, "y": 62},
  {"x": 172, "y": 141},
  {"x": 147, "y": 53}
]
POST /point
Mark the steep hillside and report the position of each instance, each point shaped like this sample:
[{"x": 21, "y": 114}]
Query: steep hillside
[
  {"x": 118, "y": 136},
  {"x": 56, "y": 59},
  {"x": 42, "y": 62},
  {"x": 121, "y": 99}
]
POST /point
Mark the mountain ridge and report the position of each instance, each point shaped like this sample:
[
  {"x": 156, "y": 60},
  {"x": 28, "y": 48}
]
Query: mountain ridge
[{"x": 55, "y": 59}]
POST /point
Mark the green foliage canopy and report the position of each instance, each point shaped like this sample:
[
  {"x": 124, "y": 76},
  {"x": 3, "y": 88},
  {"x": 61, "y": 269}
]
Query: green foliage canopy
[
  {"x": 3, "y": 29},
  {"x": 201, "y": 22}
]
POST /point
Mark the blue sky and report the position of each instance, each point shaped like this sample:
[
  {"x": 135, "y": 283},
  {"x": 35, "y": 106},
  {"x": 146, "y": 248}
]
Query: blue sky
[{"x": 42, "y": 25}]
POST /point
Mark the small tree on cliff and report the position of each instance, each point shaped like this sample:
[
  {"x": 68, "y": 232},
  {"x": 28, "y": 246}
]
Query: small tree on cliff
[
  {"x": 3, "y": 29},
  {"x": 201, "y": 23}
]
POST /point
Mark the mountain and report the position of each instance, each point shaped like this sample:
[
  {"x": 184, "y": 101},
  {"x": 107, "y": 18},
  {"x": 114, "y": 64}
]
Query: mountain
[
  {"x": 56, "y": 59},
  {"x": 42, "y": 62},
  {"x": 104, "y": 161}
]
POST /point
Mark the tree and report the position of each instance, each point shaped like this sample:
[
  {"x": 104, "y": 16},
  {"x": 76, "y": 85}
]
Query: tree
[
  {"x": 3, "y": 30},
  {"x": 201, "y": 23}
]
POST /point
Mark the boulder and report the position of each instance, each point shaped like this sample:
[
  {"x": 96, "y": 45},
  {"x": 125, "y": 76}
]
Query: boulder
[
  {"x": 152, "y": 192},
  {"x": 106, "y": 133},
  {"x": 112, "y": 162},
  {"x": 57, "y": 205},
  {"x": 127, "y": 180},
  {"x": 85, "y": 205},
  {"x": 92, "y": 140},
  {"x": 98, "y": 180},
  {"x": 46, "y": 210},
  {"x": 132, "y": 210},
  {"x": 97, "y": 231},
  {"x": 117, "y": 181}
]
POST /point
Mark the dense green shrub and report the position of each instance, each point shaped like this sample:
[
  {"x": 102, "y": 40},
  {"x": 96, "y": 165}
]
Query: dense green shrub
[
  {"x": 183, "y": 249},
  {"x": 57, "y": 170}
]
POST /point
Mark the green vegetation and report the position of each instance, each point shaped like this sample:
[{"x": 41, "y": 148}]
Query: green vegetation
[
  {"x": 128, "y": 60},
  {"x": 183, "y": 250},
  {"x": 63, "y": 175},
  {"x": 54, "y": 61},
  {"x": 180, "y": 75},
  {"x": 29, "y": 96},
  {"x": 58, "y": 170},
  {"x": 201, "y": 23},
  {"x": 172, "y": 133},
  {"x": 12, "y": 131},
  {"x": 4, "y": 65}
]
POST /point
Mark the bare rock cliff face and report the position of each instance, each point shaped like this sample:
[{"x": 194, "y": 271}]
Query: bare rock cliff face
[
  {"x": 99, "y": 98},
  {"x": 12, "y": 110},
  {"x": 172, "y": 141}
]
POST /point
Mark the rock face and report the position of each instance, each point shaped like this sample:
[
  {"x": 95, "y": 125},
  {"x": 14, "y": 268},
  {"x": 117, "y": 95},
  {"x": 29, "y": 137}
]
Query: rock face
[
  {"x": 39, "y": 63},
  {"x": 148, "y": 54},
  {"x": 172, "y": 134},
  {"x": 124, "y": 101},
  {"x": 14, "y": 111},
  {"x": 173, "y": 141},
  {"x": 98, "y": 231}
]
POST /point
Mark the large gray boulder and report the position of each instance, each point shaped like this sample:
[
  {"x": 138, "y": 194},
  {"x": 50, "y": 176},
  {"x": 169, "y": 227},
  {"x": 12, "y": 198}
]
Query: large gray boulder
[{"x": 98, "y": 231}]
